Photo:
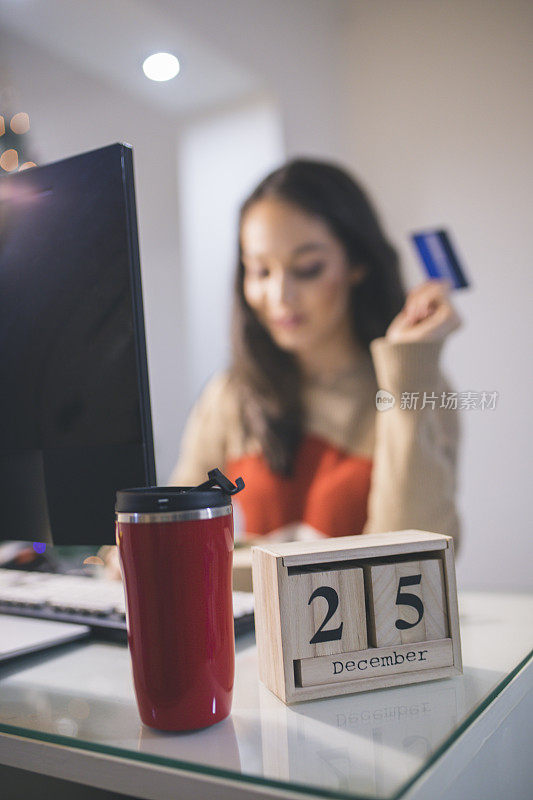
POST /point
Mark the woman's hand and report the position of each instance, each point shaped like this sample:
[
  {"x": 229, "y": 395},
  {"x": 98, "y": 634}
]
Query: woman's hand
[
  {"x": 109, "y": 555},
  {"x": 428, "y": 315}
]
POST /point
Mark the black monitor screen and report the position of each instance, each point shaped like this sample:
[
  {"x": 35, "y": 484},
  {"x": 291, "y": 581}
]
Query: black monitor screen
[{"x": 75, "y": 421}]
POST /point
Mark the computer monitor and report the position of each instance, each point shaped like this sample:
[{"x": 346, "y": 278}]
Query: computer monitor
[{"x": 75, "y": 420}]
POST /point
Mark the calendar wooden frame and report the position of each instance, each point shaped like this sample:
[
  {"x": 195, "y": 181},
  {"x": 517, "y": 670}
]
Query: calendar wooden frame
[{"x": 280, "y": 667}]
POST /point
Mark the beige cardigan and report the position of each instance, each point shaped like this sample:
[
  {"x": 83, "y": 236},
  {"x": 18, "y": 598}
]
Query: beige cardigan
[{"x": 414, "y": 451}]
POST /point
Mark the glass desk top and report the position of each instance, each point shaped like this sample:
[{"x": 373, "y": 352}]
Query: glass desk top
[{"x": 367, "y": 745}]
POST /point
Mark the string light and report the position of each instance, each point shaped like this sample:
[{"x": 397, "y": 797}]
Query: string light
[
  {"x": 20, "y": 123},
  {"x": 9, "y": 160}
]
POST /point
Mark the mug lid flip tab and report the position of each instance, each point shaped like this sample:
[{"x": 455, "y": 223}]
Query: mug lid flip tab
[{"x": 213, "y": 493}]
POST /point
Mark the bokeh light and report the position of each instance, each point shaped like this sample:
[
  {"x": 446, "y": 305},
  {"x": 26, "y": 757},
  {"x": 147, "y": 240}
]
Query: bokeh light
[
  {"x": 20, "y": 123},
  {"x": 2, "y": 125},
  {"x": 161, "y": 67},
  {"x": 9, "y": 160},
  {"x": 27, "y": 165}
]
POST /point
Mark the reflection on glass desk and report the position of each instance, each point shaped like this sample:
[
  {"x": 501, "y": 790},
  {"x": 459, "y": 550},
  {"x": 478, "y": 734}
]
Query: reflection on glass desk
[{"x": 367, "y": 745}]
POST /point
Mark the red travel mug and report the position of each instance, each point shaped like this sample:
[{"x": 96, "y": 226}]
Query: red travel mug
[{"x": 176, "y": 546}]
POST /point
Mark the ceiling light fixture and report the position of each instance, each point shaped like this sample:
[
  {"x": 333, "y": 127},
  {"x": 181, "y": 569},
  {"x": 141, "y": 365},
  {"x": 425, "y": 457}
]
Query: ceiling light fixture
[{"x": 161, "y": 67}]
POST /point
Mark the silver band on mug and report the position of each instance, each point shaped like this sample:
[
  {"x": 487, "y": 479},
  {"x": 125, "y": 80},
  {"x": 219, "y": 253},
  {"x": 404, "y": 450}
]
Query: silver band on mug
[{"x": 176, "y": 516}]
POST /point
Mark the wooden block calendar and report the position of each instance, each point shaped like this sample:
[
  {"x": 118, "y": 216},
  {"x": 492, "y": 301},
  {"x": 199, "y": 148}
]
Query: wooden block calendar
[{"x": 344, "y": 615}]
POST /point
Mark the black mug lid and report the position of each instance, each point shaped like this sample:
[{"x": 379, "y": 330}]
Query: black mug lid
[{"x": 215, "y": 492}]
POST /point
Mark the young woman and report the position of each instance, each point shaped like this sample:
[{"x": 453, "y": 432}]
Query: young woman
[{"x": 320, "y": 323}]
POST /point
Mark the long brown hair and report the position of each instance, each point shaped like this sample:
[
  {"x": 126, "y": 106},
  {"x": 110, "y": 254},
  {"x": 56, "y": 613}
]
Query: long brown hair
[{"x": 267, "y": 378}]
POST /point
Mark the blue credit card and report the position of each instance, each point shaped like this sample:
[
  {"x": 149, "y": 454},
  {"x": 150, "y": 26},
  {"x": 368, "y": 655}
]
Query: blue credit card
[{"x": 439, "y": 257}]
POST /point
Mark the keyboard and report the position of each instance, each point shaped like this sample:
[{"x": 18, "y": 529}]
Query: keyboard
[{"x": 96, "y": 602}]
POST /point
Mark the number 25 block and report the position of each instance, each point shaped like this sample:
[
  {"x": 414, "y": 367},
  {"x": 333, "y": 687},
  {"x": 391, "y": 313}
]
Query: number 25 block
[{"x": 355, "y": 613}]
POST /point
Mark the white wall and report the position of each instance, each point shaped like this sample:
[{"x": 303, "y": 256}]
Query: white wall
[
  {"x": 440, "y": 126},
  {"x": 220, "y": 159},
  {"x": 293, "y": 47}
]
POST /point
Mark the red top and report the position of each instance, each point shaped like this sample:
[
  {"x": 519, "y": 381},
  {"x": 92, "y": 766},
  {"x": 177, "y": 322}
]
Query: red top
[{"x": 328, "y": 490}]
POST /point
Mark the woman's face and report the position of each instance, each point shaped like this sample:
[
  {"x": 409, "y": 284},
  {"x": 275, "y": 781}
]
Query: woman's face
[{"x": 296, "y": 275}]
